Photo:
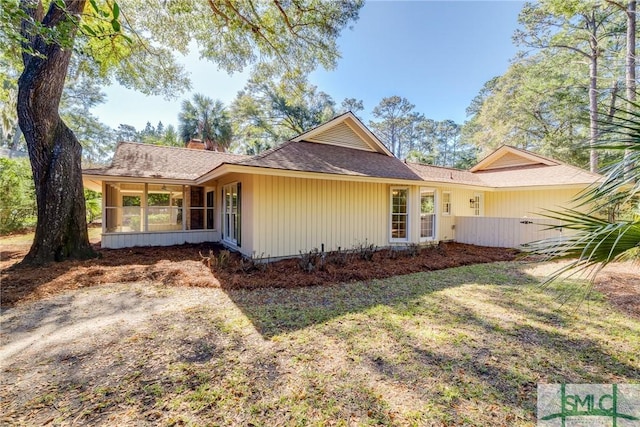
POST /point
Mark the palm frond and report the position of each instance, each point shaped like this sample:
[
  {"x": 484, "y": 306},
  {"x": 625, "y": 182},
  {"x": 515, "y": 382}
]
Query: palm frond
[{"x": 590, "y": 241}]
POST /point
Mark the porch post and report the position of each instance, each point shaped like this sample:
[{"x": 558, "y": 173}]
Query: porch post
[
  {"x": 145, "y": 216},
  {"x": 184, "y": 208},
  {"x": 104, "y": 207}
]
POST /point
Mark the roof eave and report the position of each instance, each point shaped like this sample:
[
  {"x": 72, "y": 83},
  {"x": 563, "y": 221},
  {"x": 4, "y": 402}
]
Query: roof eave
[
  {"x": 226, "y": 168},
  {"x": 131, "y": 178}
]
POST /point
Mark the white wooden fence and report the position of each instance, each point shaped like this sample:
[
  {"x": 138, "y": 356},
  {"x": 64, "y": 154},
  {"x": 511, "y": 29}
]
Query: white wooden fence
[{"x": 503, "y": 232}]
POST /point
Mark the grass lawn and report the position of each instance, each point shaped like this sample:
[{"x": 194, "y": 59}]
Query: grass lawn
[{"x": 464, "y": 346}]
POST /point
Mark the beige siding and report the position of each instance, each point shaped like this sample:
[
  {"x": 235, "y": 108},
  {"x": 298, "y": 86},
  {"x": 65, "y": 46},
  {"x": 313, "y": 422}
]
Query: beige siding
[
  {"x": 529, "y": 203},
  {"x": 343, "y": 136},
  {"x": 445, "y": 224},
  {"x": 298, "y": 214}
]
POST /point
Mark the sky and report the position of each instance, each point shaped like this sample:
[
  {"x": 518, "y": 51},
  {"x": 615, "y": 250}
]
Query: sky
[{"x": 437, "y": 54}]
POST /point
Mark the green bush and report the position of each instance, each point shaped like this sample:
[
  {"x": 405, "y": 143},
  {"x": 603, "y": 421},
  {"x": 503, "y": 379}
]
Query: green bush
[
  {"x": 93, "y": 202},
  {"x": 17, "y": 195}
]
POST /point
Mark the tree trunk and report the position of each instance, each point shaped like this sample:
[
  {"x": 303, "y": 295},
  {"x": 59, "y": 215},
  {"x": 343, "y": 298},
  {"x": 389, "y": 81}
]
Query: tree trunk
[
  {"x": 593, "y": 100},
  {"x": 630, "y": 71},
  {"x": 54, "y": 151},
  {"x": 631, "y": 51}
]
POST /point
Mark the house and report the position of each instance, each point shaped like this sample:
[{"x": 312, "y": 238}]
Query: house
[{"x": 334, "y": 186}]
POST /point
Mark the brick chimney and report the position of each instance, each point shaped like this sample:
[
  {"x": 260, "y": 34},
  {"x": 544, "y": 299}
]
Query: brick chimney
[{"x": 196, "y": 144}]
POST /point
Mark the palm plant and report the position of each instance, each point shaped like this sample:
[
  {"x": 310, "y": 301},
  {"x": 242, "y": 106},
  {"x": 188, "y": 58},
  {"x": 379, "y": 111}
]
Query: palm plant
[
  {"x": 207, "y": 120},
  {"x": 595, "y": 241}
]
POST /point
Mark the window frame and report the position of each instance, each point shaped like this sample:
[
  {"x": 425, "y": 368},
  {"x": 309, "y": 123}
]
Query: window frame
[
  {"x": 406, "y": 215},
  {"x": 446, "y": 203},
  {"x": 210, "y": 208},
  {"x": 231, "y": 213},
  {"x": 434, "y": 230},
  {"x": 477, "y": 205}
]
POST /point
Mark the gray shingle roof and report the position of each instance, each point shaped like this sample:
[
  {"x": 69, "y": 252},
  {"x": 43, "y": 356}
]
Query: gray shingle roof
[
  {"x": 517, "y": 176},
  {"x": 133, "y": 159},
  {"x": 323, "y": 158},
  {"x": 536, "y": 175},
  {"x": 152, "y": 161},
  {"x": 445, "y": 175}
]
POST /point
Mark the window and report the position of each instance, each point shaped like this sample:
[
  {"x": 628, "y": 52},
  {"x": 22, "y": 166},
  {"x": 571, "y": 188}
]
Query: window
[
  {"x": 477, "y": 200},
  {"x": 196, "y": 211},
  {"x": 399, "y": 214},
  {"x": 164, "y": 207},
  {"x": 210, "y": 209},
  {"x": 446, "y": 203},
  {"x": 142, "y": 207},
  {"x": 131, "y": 213},
  {"x": 427, "y": 214},
  {"x": 231, "y": 215}
]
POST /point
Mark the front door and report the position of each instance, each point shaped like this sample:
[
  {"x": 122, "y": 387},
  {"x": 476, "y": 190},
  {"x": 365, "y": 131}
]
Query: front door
[
  {"x": 231, "y": 228},
  {"x": 427, "y": 214}
]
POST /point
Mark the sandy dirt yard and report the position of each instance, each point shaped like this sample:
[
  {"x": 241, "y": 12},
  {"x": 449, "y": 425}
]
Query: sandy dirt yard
[{"x": 82, "y": 331}]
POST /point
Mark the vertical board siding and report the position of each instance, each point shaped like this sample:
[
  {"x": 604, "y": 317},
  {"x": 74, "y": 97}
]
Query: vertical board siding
[
  {"x": 299, "y": 214},
  {"x": 446, "y": 224},
  {"x": 503, "y": 232}
]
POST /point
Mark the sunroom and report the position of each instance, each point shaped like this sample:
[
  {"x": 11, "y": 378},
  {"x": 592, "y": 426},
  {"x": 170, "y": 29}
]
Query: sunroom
[{"x": 155, "y": 213}]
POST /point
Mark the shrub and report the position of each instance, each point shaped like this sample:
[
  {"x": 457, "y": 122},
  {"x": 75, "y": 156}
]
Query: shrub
[
  {"x": 339, "y": 258},
  {"x": 93, "y": 202},
  {"x": 311, "y": 260},
  {"x": 249, "y": 264},
  {"x": 365, "y": 251},
  {"x": 17, "y": 195}
]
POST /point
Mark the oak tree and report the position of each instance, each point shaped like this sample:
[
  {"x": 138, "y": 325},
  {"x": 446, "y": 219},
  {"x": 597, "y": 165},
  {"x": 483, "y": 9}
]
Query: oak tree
[{"x": 133, "y": 43}]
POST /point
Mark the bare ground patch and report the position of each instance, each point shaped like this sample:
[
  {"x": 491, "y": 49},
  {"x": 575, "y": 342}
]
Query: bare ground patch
[{"x": 463, "y": 346}]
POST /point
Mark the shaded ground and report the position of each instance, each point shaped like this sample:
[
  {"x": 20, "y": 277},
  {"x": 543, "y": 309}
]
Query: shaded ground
[
  {"x": 150, "y": 336},
  {"x": 183, "y": 266},
  {"x": 462, "y": 346}
]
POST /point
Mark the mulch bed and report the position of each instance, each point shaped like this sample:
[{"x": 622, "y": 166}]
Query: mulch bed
[{"x": 184, "y": 266}]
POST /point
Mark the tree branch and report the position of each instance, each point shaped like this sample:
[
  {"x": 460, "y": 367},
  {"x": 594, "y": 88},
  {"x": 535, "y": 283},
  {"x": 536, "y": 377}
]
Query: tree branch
[{"x": 284, "y": 16}]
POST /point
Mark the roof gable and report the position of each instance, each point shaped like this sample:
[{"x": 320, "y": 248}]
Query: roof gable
[
  {"x": 347, "y": 131},
  {"x": 509, "y": 157}
]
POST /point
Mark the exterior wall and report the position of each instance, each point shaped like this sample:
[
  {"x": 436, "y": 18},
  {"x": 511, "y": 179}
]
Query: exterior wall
[
  {"x": 529, "y": 203},
  {"x": 460, "y": 206},
  {"x": 281, "y": 216},
  {"x": 503, "y": 232},
  {"x": 165, "y": 238},
  {"x": 298, "y": 214}
]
